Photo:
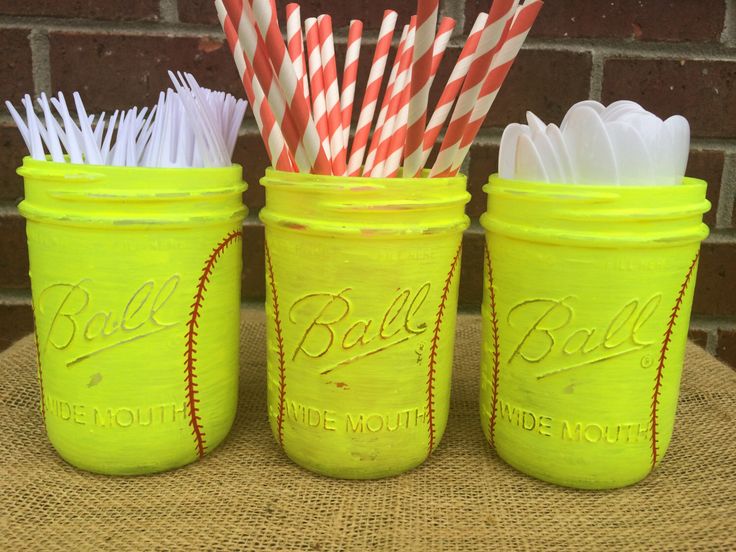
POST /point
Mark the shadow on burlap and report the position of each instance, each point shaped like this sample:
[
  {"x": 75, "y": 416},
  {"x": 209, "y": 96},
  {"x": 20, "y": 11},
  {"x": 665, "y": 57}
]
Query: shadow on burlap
[{"x": 248, "y": 496}]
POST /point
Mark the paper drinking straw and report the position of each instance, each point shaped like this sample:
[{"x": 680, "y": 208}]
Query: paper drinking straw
[
  {"x": 452, "y": 88},
  {"x": 444, "y": 33},
  {"x": 350, "y": 76},
  {"x": 397, "y": 144},
  {"x": 398, "y": 100},
  {"x": 387, "y": 95},
  {"x": 427, "y": 11},
  {"x": 316, "y": 79},
  {"x": 332, "y": 95},
  {"x": 276, "y": 148},
  {"x": 296, "y": 45},
  {"x": 256, "y": 54},
  {"x": 502, "y": 62},
  {"x": 373, "y": 88},
  {"x": 499, "y": 19},
  {"x": 266, "y": 20}
]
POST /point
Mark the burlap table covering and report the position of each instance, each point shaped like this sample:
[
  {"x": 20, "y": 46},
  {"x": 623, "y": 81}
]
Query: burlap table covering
[{"x": 248, "y": 496}]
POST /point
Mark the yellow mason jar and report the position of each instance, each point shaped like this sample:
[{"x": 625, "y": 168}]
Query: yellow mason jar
[
  {"x": 587, "y": 300},
  {"x": 362, "y": 278},
  {"x": 135, "y": 276}
]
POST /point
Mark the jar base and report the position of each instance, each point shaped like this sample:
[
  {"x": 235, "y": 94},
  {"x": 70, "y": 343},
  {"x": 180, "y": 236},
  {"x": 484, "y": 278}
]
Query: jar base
[
  {"x": 353, "y": 473},
  {"x": 577, "y": 483}
]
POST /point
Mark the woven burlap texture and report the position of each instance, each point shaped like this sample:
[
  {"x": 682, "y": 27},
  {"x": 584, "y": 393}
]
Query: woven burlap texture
[{"x": 248, "y": 496}]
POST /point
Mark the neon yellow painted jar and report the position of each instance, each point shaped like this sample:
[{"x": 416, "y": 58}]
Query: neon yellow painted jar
[
  {"x": 587, "y": 299},
  {"x": 135, "y": 275},
  {"x": 362, "y": 278}
]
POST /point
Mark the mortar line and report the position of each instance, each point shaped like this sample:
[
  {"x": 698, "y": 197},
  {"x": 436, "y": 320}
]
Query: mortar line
[
  {"x": 724, "y": 214},
  {"x": 14, "y": 297},
  {"x": 456, "y": 10},
  {"x": 728, "y": 35},
  {"x": 168, "y": 11},
  {"x": 596, "y": 75},
  {"x": 711, "y": 341},
  {"x": 40, "y": 61}
]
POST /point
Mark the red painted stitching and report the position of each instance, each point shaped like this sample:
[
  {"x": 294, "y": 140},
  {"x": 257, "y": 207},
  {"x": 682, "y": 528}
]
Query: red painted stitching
[
  {"x": 40, "y": 373},
  {"x": 280, "y": 343},
  {"x": 663, "y": 355},
  {"x": 433, "y": 350},
  {"x": 191, "y": 362},
  {"x": 496, "y": 351}
]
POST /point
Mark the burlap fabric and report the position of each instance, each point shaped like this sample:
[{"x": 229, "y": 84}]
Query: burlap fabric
[{"x": 248, "y": 496}]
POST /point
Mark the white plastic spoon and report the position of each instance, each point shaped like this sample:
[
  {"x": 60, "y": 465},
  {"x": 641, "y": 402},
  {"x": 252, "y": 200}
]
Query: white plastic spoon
[
  {"x": 529, "y": 165},
  {"x": 507, "y": 151},
  {"x": 590, "y": 148},
  {"x": 592, "y": 104},
  {"x": 678, "y": 131},
  {"x": 563, "y": 157},
  {"x": 634, "y": 162},
  {"x": 547, "y": 153}
]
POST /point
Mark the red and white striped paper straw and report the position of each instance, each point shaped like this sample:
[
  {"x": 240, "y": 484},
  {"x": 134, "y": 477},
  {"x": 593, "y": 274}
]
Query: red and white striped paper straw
[
  {"x": 255, "y": 52},
  {"x": 319, "y": 106},
  {"x": 273, "y": 139},
  {"x": 452, "y": 88},
  {"x": 373, "y": 88},
  {"x": 267, "y": 23},
  {"x": 502, "y": 62},
  {"x": 427, "y": 11},
  {"x": 387, "y": 95},
  {"x": 350, "y": 76},
  {"x": 332, "y": 95},
  {"x": 398, "y": 102},
  {"x": 499, "y": 19},
  {"x": 295, "y": 42},
  {"x": 444, "y": 34},
  {"x": 396, "y": 148}
]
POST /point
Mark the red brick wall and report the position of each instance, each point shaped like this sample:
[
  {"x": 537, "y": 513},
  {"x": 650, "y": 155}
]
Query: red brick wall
[{"x": 673, "y": 56}]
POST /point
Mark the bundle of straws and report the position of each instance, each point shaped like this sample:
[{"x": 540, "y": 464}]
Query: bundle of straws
[{"x": 304, "y": 113}]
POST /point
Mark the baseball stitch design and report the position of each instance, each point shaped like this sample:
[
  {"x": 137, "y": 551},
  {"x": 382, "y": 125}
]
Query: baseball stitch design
[
  {"x": 663, "y": 355},
  {"x": 496, "y": 351},
  {"x": 39, "y": 373},
  {"x": 435, "y": 344},
  {"x": 190, "y": 360},
  {"x": 280, "y": 345}
]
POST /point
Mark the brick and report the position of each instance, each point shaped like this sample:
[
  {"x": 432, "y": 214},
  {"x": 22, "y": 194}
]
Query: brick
[
  {"x": 716, "y": 274},
  {"x": 12, "y": 151},
  {"x": 545, "y": 82},
  {"x": 708, "y": 165},
  {"x": 13, "y": 252},
  {"x": 254, "y": 275},
  {"x": 251, "y": 154},
  {"x": 645, "y": 20},
  {"x": 471, "y": 275},
  {"x": 483, "y": 163},
  {"x": 16, "y": 321},
  {"x": 198, "y": 11},
  {"x": 16, "y": 65},
  {"x": 702, "y": 91},
  {"x": 146, "y": 10},
  {"x": 726, "y": 350},
  {"x": 699, "y": 337},
  {"x": 115, "y": 10},
  {"x": 119, "y": 71}
]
